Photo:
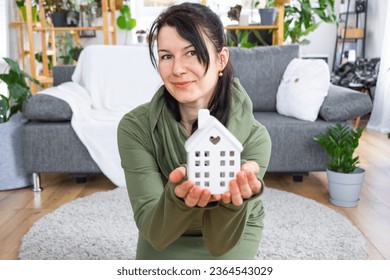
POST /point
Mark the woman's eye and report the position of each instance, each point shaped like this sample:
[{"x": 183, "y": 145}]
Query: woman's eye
[
  {"x": 166, "y": 57},
  {"x": 191, "y": 53}
]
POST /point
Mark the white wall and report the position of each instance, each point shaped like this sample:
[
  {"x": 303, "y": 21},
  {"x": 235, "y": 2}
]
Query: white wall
[
  {"x": 375, "y": 27},
  {"x": 3, "y": 28},
  {"x": 324, "y": 38}
]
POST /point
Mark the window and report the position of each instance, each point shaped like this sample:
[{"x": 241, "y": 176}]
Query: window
[
  {"x": 146, "y": 11},
  {"x": 157, "y": 3}
]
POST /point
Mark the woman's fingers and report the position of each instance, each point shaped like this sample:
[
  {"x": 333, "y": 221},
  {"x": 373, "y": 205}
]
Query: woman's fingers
[
  {"x": 254, "y": 182},
  {"x": 243, "y": 183},
  {"x": 243, "y": 187},
  {"x": 204, "y": 198},
  {"x": 182, "y": 190},
  {"x": 251, "y": 166},
  {"x": 235, "y": 193},
  {"x": 177, "y": 175}
]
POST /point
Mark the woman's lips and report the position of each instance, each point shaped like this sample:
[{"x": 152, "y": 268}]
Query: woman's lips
[{"x": 182, "y": 84}]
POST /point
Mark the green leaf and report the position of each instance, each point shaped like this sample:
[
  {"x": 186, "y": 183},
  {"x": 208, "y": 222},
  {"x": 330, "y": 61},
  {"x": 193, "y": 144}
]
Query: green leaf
[
  {"x": 4, "y": 107},
  {"x": 17, "y": 87},
  {"x": 340, "y": 143},
  {"x": 124, "y": 21}
]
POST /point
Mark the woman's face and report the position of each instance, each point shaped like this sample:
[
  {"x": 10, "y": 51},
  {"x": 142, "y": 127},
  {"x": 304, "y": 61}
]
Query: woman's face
[{"x": 182, "y": 73}]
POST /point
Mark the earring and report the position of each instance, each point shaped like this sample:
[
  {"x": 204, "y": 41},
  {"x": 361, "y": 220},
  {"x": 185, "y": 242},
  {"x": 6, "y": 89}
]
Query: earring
[{"x": 220, "y": 74}]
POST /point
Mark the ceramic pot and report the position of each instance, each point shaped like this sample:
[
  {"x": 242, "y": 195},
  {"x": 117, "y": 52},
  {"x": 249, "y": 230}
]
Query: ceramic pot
[
  {"x": 268, "y": 16},
  {"x": 59, "y": 19},
  {"x": 344, "y": 189}
]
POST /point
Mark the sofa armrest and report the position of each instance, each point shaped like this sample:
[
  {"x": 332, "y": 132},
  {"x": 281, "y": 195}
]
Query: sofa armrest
[
  {"x": 42, "y": 107},
  {"x": 342, "y": 104},
  {"x": 62, "y": 74}
]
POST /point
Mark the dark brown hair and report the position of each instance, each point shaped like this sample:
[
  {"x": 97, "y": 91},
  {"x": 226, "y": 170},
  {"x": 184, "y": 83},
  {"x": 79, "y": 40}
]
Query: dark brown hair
[{"x": 192, "y": 22}]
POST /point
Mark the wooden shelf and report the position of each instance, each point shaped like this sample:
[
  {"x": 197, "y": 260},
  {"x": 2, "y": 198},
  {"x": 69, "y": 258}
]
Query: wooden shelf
[
  {"x": 108, "y": 28},
  {"x": 44, "y": 79},
  {"x": 277, "y": 29}
]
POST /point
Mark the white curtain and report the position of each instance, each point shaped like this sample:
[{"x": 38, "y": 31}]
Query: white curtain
[{"x": 380, "y": 115}]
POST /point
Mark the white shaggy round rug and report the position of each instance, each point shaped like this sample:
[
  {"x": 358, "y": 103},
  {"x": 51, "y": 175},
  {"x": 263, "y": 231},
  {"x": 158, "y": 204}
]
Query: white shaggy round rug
[{"x": 101, "y": 226}]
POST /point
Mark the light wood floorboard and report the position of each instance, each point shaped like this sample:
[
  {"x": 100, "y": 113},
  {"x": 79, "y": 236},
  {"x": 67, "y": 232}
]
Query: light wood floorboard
[{"x": 19, "y": 209}]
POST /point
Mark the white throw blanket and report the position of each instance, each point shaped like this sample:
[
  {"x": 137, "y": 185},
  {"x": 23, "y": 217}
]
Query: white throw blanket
[{"x": 108, "y": 82}]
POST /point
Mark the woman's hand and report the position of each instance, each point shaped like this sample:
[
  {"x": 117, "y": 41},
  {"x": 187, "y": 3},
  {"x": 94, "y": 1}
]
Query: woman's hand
[
  {"x": 244, "y": 186},
  {"x": 193, "y": 195}
]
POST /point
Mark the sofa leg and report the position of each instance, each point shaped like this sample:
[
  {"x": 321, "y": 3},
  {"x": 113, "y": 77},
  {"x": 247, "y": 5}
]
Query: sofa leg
[
  {"x": 299, "y": 177},
  {"x": 81, "y": 180},
  {"x": 36, "y": 182}
]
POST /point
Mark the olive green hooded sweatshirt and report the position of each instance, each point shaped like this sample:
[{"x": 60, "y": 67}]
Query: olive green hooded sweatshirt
[{"x": 151, "y": 145}]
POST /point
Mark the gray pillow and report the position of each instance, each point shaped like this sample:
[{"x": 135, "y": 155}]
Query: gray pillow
[
  {"x": 342, "y": 104},
  {"x": 260, "y": 71}
]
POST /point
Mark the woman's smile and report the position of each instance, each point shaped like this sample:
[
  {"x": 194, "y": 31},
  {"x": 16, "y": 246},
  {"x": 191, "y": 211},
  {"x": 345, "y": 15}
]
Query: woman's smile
[{"x": 182, "y": 85}]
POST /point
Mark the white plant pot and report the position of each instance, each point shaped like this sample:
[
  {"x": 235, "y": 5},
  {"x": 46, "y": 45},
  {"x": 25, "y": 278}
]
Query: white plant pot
[
  {"x": 12, "y": 172},
  {"x": 344, "y": 189}
]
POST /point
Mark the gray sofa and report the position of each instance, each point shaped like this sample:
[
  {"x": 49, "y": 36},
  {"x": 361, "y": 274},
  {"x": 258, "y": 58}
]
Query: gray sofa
[{"x": 51, "y": 145}]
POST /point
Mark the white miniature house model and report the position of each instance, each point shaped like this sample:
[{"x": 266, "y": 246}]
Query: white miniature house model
[{"x": 213, "y": 154}]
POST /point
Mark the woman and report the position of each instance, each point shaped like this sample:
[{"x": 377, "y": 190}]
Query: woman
[{"x": 177, "y": 219}]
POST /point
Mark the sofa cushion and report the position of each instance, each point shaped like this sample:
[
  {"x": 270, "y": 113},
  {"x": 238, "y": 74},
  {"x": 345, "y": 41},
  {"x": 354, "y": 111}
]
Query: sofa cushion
[
  {"x": 304, "y": 85},
  {"x": 342, "y": 104},
  {"x": 260, "y": 71},
  {"x": 293, "y": 147},
  {"x": 42, "y": 107}
]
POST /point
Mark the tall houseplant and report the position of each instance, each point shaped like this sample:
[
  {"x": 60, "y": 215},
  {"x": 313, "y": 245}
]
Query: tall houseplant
[
  {"x": 345, "y": 178},
  {"x": 304, "y": 16},
  {"x": 12, "y": 172}
]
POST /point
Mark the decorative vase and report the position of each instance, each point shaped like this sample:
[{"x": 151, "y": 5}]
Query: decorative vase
[
  {"x": 12, "y": 172},
  {"x": 344, "y": 188},
  {"x": 268, "y": 16}
]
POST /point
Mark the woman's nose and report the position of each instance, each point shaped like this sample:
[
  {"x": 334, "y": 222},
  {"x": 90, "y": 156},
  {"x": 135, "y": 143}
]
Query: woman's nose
[{"x": 179, "y": 67}]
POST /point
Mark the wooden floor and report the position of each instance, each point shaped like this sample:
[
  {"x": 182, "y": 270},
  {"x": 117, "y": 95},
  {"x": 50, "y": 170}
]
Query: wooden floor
[{"x": 19, "y": 209}]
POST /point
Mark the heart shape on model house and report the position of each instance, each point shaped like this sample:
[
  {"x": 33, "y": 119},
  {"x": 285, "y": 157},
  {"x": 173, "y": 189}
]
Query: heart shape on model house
[{"x": 215, "y": 140}]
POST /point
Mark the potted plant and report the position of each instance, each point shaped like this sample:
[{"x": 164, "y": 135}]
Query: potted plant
[
  {"x": 267, "y": 11},
  {"x": 13, "y": 174},
  {"x": 21, "y": 4},
  {"x": 304, "y": 16},
  {"x": 57, "y": 11},
  {"x": 141, "y": 36},
  {"x": 73, "y": 14},
  {"x": 345, "y": 178},
  {"x": 235, "y": 12}
]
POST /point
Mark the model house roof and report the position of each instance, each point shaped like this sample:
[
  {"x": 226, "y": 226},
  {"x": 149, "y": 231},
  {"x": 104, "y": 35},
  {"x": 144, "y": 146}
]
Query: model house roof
[{"x": 208, "y": 124}]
